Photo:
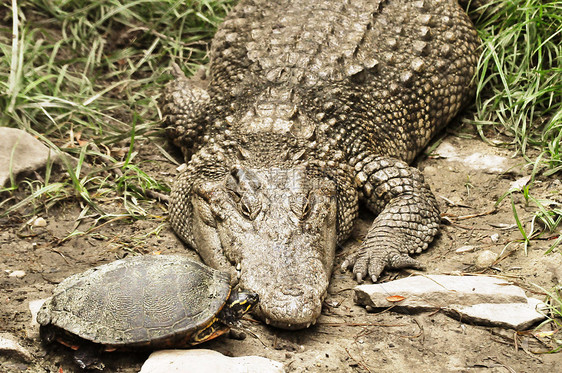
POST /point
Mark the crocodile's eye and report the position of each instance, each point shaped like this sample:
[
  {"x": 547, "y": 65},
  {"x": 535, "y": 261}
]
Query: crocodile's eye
[
  {"x": 301, "y": 205},
  {"x": 243, "y": 187},
  {"x": 250, "y": 205}
]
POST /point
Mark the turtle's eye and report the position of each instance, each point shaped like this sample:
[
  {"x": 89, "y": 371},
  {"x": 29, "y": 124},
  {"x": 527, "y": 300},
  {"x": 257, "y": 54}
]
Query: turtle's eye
[{"x": 242, "y": 302}]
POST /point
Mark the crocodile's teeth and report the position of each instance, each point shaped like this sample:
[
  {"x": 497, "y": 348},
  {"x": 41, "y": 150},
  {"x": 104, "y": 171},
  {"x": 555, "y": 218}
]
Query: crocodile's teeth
[
  {"x": 267, "y": 321},
  {"x": 238, "y": 267},
  {"x": 314, "y": 322},
  {"x": 308, "y": 325}
]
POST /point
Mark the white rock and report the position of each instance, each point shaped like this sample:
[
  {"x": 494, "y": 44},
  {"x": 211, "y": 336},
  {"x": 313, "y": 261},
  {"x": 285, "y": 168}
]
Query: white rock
[
  {"x": 478, "y": 299},
  {"x": 433, "y": 291},
  {"x": 477, "y": 156},
  {"x": 202, "y": 360},
  {"x": 495, "y": 237},
  {"x": 8, "y": 343},
  {"x": 32, "y": 330},
  {"x": 520, "y": 183},
  {"x": 517, "y": 316},
  {"x": 465, "y": 249},
  {"x": 485, "y": 259},
  {"x": 18, "y": 274}
]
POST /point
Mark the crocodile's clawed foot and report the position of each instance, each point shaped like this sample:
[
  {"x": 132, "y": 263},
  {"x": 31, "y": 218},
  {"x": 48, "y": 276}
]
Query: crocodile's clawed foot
[
  {"x": 177, "y": 72},
  {"x": 371, "y": 262}
]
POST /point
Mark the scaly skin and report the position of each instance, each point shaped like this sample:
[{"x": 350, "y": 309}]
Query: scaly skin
[{"x": 307, "y": 108}]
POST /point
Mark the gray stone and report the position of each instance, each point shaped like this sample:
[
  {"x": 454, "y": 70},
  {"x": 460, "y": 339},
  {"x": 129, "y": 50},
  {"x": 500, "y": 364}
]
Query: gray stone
[
  {"x": 9, "y": 344},
  {"x": 517, "y": 316},
  {"x": 202, "y": 360},
  {"x": 477, "y": 299},
  {"x": 23, "y": 151}
]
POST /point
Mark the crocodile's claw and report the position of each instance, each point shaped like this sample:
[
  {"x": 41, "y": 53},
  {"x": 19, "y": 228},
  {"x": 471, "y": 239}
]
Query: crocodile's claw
[{"x": 367, "y": 261}]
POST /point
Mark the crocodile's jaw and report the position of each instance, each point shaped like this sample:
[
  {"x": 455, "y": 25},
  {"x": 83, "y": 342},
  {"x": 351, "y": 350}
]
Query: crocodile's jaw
[
  {"x": 291, "y": 278},
  {"x": 283, "y": 250}
]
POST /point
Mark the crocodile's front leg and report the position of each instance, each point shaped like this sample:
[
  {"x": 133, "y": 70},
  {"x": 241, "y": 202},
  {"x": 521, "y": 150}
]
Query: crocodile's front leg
[
  {"x": 184, "y": 104},
  {"x": 407, "y": 222}
]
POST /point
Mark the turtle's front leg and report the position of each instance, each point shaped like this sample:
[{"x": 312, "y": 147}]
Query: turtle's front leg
[
  {"x": 88, "y": 356},
  {"x": 407, "y": 222}
]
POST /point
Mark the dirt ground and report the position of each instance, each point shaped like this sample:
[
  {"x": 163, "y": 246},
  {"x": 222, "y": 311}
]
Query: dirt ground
[{"x": 346, "y": 338}]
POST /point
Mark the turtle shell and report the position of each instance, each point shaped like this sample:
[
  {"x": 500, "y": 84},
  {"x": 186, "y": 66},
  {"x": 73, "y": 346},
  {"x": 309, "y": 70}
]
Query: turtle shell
[{"x": 152, "y": 300}]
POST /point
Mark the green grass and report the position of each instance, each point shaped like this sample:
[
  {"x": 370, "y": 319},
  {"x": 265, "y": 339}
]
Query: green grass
[
  {"x": 519, "y": 82},
  {"x": 78, "y": 73},
  {"x": 519, "y": 95}
]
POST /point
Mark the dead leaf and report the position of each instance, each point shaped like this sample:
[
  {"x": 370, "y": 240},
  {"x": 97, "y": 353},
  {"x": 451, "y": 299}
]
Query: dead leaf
[
  {"x": 544, "y": 334},
  {"x": 395, "y": 298},
  {"x": 78, "y": 137}
]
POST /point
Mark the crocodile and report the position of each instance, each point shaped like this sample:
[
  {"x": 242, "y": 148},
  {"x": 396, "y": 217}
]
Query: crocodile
[{"x": 306, "y": 110}]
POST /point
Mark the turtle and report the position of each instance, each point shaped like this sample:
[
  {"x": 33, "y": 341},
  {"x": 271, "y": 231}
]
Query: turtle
[{"x": 148, "y": 301}]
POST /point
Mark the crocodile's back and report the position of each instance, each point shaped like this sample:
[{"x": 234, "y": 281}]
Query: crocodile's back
[{"x": 379, "y": 74}]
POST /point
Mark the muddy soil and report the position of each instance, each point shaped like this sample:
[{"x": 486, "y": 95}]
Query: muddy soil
[{"x": 346, "y": 338}]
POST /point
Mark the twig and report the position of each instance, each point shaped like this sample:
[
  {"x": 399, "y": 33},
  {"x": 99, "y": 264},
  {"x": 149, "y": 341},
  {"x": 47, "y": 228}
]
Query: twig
[{"x": 360, "y": 363}]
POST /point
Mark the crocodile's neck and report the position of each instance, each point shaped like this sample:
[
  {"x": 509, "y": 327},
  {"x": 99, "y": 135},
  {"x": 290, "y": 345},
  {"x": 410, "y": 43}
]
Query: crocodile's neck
[{"x": 259, "y": 150}]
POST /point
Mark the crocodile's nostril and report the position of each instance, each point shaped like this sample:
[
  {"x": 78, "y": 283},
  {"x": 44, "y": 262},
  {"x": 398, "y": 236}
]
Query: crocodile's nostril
[{"x": 292, "y": 291}]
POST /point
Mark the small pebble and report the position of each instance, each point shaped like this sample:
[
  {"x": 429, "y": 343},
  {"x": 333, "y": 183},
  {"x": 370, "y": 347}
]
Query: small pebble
[
  {"x": 495, "y": 237},
  {"x": 430, "y": 170},
  {"x": 485, "y": 259},
  {"x": 520, "y": 183},
  {"x": 18, "y": 274},
  {"x": 465, "y": 249},
  {"x": 40, "y": 222}
]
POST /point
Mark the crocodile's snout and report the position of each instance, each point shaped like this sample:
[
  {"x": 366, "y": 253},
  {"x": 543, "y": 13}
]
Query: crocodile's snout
[
  {"x": 291, "y": 292},
  {"x": 291, "y": 311}
]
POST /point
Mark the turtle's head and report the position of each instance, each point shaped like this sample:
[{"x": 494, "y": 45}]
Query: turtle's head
[{"x": 239, "y": 303}]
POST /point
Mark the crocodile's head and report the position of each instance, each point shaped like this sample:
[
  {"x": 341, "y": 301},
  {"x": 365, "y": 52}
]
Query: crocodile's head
[{"x": 275, "y": 229}]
